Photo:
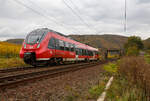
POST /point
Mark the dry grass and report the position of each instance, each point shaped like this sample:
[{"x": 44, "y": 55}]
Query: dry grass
[
  {"x": 136, "y": 70},
  {"x": 8, "y": 50},
  {"x": 9, "y": 55},
  {"x": 11, "y": 62},
  {"x": 132, "y": 81}
]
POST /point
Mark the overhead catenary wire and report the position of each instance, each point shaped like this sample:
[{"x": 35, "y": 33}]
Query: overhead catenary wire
[
  {"x": 37, "y": 12},
  {"x": 74, "y": 12},
  {"x": 78, "y": 10},
  {"x": 45, "y": 11},
  {"x": 125, "y": 17}
]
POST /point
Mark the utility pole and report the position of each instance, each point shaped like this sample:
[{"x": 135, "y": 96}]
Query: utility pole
[{"x": 125, "y": 17}]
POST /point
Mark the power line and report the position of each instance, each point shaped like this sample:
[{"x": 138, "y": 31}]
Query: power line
[
  {"x": 125, "y": 17},
  {"x": 76, "y": 14},
  {"x": 28, "y": 7},
  {"x": 77, "y": 9},
  {"x": 51, "y": 15}
]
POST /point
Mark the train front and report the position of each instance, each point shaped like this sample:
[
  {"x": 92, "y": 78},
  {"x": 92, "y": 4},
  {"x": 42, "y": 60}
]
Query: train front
[{"x": 34, "y": 47}]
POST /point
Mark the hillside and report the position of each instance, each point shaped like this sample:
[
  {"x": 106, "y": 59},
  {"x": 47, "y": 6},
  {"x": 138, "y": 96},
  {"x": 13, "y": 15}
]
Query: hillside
[
  {"x": 98, "y": 41},
  {"x": 147, "y": 43},
  {"x": 102, "y": 41},
  {"x": 15, "y": 41}
]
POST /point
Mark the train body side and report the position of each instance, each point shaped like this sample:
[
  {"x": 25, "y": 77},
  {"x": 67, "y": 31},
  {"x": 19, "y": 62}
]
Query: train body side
[{"x": 55, "y": 46}]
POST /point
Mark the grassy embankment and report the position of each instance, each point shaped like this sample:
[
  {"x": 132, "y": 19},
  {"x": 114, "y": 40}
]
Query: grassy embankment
[
  {"x": 131, "y": 80},
  {"x": 9, "y": 55}
]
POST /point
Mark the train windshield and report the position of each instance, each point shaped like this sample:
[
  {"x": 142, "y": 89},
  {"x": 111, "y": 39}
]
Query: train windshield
[{"x": 35, "y": 36}]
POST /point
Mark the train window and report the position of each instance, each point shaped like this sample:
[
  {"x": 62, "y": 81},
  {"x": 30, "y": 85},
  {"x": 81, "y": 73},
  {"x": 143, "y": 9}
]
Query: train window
[
  {"x": 61, "y": 44},
  {"x": 90, "y": 53},
  {"x": 80, "y": 51},
  {"x": 96, "y": 52},
  {"x": 66, "y": 46},
  {"x": 69, "y": 46},
  {"x": 72, "y": 47},
  {"x": 86, "y": 52},
  {"x": 77, "y": 51},
  {"x": 83, "y": 51},
  {"x": 57, "y": 43},
  {"x": 51, "y": 43},
  {"x": 35, "y": 36}
]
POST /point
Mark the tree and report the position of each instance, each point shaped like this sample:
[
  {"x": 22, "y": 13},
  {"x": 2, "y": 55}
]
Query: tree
[
  {"x": 133, "y": 45},
  {"x": 132, "y": 51}
]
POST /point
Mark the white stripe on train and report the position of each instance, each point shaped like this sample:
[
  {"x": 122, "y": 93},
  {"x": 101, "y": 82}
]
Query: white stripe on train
[{"x": 68, "y": 59}]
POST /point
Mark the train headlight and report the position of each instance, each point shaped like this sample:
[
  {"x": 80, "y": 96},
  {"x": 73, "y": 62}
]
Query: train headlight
[
  {"x": 25, "y": 46},
  {"x": 38, "y": 45}
]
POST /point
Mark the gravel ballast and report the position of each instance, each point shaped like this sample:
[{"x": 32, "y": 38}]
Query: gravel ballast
[{"x": 72, "y": 85}]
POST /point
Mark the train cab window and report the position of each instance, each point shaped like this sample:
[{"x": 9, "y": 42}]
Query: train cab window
[
  {"x": 36, "y": 36},
  {"x": 61, "y": 45},
  {"x": 51, "y": 43}
]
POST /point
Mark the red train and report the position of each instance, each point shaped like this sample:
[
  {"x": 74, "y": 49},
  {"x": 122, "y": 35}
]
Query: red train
[{"x": 45, "y": 46}]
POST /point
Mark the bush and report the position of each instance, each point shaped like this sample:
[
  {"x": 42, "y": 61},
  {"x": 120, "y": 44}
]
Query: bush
[
  {"x": 134, "y": 41},
  {"x": 133, "y": 46},
  {"x": 132, "y": 51}
]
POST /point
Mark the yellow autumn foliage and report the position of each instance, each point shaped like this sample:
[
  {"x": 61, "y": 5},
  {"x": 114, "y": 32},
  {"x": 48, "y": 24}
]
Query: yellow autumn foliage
[{"x": 9, "y": 50}]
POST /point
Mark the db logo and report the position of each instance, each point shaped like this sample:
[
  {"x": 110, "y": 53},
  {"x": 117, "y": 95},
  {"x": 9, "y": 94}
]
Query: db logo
[{"x": 51, "y": 52}]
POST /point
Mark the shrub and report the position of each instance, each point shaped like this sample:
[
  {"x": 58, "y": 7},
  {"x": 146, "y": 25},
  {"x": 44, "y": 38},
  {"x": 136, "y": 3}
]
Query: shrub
[{"x": 132, "y": 51}]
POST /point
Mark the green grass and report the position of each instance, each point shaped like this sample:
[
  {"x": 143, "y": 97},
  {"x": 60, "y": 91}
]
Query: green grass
[
  {"x": 110, "y": 67},
  {"x": 11, "y": 62},
  {"x": 120, "y": 90},
  {"x": 96, "y": 91},
  {"x": 147, "y": 58}
]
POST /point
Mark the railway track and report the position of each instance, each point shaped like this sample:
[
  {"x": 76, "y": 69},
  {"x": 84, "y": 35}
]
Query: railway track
[
  {"x": 25, "y": 68},
  {"x": 14, "y": 79}
]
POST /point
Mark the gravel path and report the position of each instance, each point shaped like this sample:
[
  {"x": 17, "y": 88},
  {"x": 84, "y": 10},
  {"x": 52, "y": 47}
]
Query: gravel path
[{"x": 62, "y": 88}]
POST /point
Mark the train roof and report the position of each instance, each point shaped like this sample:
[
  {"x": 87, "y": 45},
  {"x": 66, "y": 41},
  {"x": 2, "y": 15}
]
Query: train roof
[{"x": 79, "y": 45}]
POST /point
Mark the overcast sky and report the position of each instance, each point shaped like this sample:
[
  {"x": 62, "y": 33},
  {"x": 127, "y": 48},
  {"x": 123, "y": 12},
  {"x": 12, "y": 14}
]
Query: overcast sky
[{"x": 19, "y": 17}]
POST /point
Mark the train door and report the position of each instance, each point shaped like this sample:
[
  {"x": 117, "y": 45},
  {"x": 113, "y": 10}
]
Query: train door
[
  {"x": 77, "y": 53},
  {"x": 51, "y": 46}
]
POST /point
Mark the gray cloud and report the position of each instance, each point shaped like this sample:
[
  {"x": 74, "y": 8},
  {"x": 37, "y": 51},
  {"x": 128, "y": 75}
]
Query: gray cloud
[
  {"x": 101, "y": 15},
  {"x": 143, "y": 1}
]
